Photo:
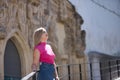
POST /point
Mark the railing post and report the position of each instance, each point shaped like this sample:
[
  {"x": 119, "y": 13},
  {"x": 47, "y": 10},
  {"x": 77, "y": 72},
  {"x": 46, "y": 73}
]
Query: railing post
[
  {"x": 69, "y": 72},
  {"x": 110, "y": 70},
  {"x": 80, "y": 71},
  {"x": 57, "y": 68},
  {"x": 117, "y": 61},
  {"x": 91, "y": 74},
  {"x": 100, "y": 70},
  {"x": 34, "y": 77}
]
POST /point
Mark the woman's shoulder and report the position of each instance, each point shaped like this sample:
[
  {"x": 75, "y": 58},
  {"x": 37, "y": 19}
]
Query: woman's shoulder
[
  {"x": 49, "y": 43},
  {"x": 38, "y": 47}
]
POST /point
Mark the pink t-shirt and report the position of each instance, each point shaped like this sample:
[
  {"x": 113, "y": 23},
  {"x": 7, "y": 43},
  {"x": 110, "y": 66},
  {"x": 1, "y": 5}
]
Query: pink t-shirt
[{"x": 46, "y": 53}]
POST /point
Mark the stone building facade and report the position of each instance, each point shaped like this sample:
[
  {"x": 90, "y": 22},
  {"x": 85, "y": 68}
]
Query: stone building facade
[{"x": 19, "y": 19}]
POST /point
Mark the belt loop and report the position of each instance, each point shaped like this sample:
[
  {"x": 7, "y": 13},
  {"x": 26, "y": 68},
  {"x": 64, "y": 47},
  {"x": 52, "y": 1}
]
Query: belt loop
[{"x": 40, "y": 63}]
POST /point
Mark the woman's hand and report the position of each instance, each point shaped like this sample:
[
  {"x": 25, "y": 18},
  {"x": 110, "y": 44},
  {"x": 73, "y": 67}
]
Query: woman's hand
[
  {"x": 57, "y": 78},
  {"x": 34, "y": 67}
]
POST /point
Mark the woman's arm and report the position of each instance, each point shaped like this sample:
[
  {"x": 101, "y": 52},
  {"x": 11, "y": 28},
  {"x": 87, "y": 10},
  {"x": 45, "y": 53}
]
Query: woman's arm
[
  {"x": 56, "y": 74},
  {"x": 36, "y": 56}
]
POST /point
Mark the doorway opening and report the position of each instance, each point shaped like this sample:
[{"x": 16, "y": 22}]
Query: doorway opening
[{"x": 12, "y": 63}]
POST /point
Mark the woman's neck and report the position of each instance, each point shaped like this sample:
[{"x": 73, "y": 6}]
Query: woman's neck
[{"x": 43, "y": 41}]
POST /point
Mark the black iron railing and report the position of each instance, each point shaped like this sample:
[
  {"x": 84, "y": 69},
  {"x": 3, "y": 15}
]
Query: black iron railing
[
  {"x": 110, "y": 70},
  {"x": 107, "y": 70}
]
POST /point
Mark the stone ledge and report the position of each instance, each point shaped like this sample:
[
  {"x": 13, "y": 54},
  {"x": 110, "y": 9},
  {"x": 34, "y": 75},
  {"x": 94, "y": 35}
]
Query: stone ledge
[
  {"x": 64, "y": 57},
  {"x": 101, "y": 56}
]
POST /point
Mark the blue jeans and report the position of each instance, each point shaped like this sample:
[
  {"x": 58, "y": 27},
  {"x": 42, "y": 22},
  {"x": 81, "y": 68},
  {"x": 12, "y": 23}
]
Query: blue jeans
[{"x": 46, "y": 72}]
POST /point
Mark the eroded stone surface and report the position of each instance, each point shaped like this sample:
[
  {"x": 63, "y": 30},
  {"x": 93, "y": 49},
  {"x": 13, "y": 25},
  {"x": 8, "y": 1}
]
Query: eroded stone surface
[{"x": 60, "y": 19}]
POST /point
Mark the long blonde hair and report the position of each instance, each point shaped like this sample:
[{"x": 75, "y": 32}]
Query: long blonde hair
[{"x": 37, "y": 35}]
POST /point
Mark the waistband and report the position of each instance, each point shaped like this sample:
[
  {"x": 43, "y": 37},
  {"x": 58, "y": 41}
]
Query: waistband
[{"x": 42, "y": 63}]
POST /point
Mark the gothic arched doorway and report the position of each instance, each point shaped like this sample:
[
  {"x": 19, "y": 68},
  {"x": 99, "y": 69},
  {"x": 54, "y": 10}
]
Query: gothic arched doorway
[{"x": 12, "y": 63}]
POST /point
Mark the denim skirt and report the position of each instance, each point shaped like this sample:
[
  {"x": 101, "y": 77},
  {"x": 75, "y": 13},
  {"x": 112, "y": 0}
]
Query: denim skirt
[{"x": 46, "y": 72}]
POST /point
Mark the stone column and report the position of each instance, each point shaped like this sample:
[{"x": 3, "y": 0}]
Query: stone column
[
  {"x": 2, "y": 37},
  {"x": 63, "y": 69},
  {"x": 1, "y": 60}
]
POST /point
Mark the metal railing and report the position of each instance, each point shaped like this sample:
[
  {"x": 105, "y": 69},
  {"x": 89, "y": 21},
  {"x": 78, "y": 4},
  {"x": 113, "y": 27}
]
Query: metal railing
[
  {"x": 32, "y": 75},
  {"x": 69, "y": 71},
  {"x": 107, "y": 70},
  {"x": 110, "y": 70}
]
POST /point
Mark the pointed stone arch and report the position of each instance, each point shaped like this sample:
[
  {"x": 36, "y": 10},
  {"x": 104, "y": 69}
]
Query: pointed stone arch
[
  {"x": 12, "y": 63},
  {"x": 23, "y": 49}
]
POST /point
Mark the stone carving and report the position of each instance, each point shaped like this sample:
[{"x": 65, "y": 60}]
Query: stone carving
[
  {"x": 33, "y": 14},
  {"x": 35, "y": 2},
  {"x": 27, "y": 15},
  {"x": 3, "y": 12},
  {"x": 62, "y": 15},
  {"x": 21, "y": 15},
  {"x": 83, "y": 34},
  {"x": 34, "y": 18},
  {"x": 3, "y": 33},
  {"x": 11, "y": 12}
]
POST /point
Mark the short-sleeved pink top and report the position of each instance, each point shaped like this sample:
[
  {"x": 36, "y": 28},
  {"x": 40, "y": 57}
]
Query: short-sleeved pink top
[{"x": 46, "y": 53}]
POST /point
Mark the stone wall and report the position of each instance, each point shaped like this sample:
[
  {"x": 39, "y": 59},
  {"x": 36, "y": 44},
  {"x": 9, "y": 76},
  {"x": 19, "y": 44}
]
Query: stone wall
[{"x": 19, "y": 19}]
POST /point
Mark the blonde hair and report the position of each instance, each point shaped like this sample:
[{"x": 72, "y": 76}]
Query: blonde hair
[{"x": 37, "y": 35}]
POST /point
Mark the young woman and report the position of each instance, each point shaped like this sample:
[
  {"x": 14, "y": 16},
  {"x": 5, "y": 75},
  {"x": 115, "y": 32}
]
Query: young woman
[{"x": 44, "y": 56}]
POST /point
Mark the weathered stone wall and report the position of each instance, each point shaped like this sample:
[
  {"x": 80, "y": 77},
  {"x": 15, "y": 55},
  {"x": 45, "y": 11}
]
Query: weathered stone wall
[{"x": 19, "y": 18}]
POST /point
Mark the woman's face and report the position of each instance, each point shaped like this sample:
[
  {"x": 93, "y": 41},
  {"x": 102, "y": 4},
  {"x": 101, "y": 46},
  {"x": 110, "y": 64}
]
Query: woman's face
[{"x": 44, "y": 36}]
